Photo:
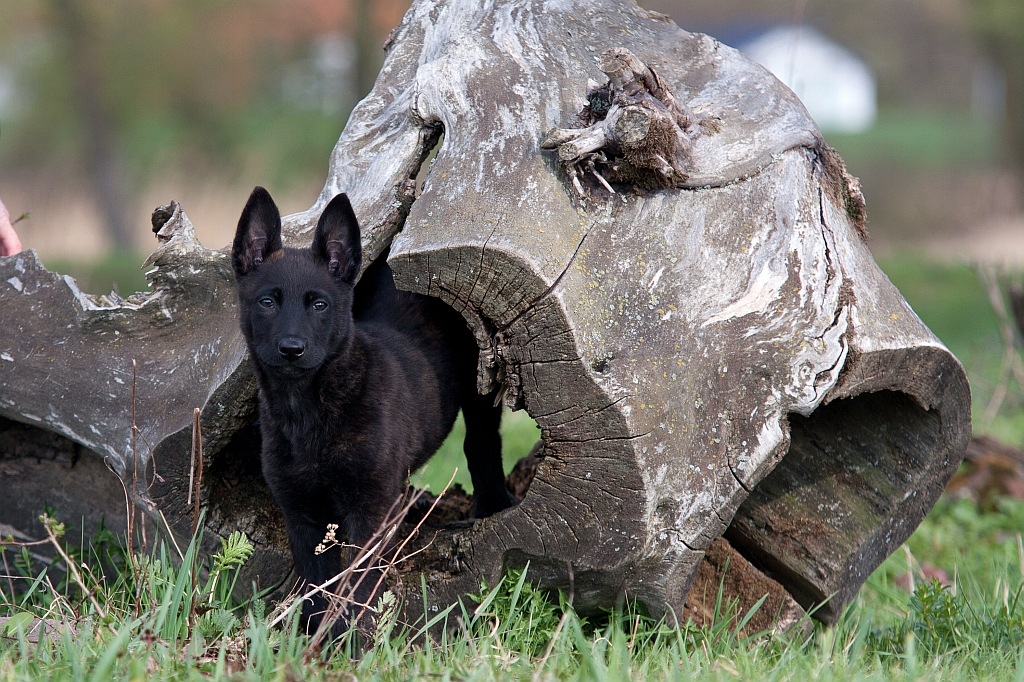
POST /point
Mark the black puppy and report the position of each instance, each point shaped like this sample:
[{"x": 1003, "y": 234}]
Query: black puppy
[{"x": 358, "y": 384}]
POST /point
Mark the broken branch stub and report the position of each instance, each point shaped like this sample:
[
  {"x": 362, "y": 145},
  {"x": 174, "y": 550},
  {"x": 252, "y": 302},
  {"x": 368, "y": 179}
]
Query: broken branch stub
[
  {"x": 715, "y": 354},
  {"x": 631, "y": 130}
]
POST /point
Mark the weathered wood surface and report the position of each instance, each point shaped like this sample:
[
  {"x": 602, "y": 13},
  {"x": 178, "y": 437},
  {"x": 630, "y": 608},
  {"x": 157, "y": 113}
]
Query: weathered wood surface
[{"x": 673, "y": 344}]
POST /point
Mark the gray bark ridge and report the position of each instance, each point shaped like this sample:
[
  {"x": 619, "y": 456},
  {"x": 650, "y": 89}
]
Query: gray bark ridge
[{"x": 67, "y": 355}]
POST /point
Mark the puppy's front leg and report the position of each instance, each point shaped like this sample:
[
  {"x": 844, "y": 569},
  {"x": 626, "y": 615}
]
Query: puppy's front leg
[
  {"x": 362, "y": 523},
  {"x": 304, "y": 534}
]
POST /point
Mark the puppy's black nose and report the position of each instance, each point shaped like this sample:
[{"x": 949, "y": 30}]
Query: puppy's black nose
[{"x": 291, "y": 348}]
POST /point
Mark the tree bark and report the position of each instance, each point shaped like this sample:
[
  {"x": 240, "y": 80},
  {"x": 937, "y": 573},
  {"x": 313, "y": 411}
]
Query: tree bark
[{"x": 718, "y": 356}]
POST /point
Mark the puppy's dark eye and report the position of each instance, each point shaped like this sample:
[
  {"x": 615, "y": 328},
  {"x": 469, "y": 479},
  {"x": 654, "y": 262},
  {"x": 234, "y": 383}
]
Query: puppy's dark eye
[
  {"x": 267, "y": 302},
  {"x": 319, "y": 305}
]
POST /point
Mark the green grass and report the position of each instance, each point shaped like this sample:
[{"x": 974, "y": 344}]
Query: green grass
[
  {"x": 519, "y": 433},
  {"x": 155, "y": 618}
]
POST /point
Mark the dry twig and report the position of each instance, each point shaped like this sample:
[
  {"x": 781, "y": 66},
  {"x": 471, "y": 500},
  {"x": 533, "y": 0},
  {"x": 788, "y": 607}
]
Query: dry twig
[
  {"x": 197, "y": 449},
  {"x": 381, "y": 556}
]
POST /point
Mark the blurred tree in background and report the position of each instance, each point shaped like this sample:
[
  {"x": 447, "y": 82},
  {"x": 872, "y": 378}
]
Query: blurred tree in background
[
  {"x": 80, "y": 36},
  {"x": 114, "y": 90},
  {"x": 1000, "y": 25},
  {"x": 108, "y": 107}
]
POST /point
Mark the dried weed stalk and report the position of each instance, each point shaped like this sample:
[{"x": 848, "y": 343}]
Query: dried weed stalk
[
  {"x": 374, "y": 561},
  {"x": 195, "y": 473},
  {"x": 54, "y": 530},
  {"x": 1000, "y": 290},
  {"x": 197, "y": 449}
]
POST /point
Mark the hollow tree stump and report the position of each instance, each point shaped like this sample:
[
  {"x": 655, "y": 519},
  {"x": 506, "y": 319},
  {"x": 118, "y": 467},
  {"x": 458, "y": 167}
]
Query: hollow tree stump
[{"x": 712, "y": 353}]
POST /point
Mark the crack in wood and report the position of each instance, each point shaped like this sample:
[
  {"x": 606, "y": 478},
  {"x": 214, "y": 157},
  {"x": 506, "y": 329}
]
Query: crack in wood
[{"x": 589, "y": 413}]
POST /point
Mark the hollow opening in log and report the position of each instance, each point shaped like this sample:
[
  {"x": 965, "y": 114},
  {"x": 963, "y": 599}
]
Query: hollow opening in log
[
  {"x": 845, "y": 496},
  {"x": 519, "y": 433}
]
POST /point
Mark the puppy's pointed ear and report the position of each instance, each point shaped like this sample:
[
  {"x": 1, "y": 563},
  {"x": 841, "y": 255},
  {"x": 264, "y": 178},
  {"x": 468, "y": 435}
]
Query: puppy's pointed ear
[
  {"x": 258, "y": 234},
  {"x": 336, "y": 243}
]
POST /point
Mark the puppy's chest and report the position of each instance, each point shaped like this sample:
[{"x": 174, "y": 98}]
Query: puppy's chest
[{"x": 313, "y": 451}]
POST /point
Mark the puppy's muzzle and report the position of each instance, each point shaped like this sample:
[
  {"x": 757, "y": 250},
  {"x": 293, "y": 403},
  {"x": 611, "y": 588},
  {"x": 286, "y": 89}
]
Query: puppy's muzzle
[{"x": 291, "y": 348}]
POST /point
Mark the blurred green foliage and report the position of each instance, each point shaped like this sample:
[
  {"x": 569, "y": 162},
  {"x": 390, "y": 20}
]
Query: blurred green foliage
[
  {"x": 119, "y": 271},
  {"x": 192, "y": 83},
  {"x": 1000, "y": 26},
  {"x": 999, "y": 17},
  {"x": 948, "y": 297},
  {"x": 919, "y": 139}
]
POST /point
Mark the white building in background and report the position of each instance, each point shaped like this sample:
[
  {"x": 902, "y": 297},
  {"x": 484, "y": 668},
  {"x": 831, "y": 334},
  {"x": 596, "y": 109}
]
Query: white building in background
[{"x": 837, "y": 88}]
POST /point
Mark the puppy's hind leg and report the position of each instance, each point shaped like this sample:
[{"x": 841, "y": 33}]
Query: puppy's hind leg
[{"x": 483, "y": 452}]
